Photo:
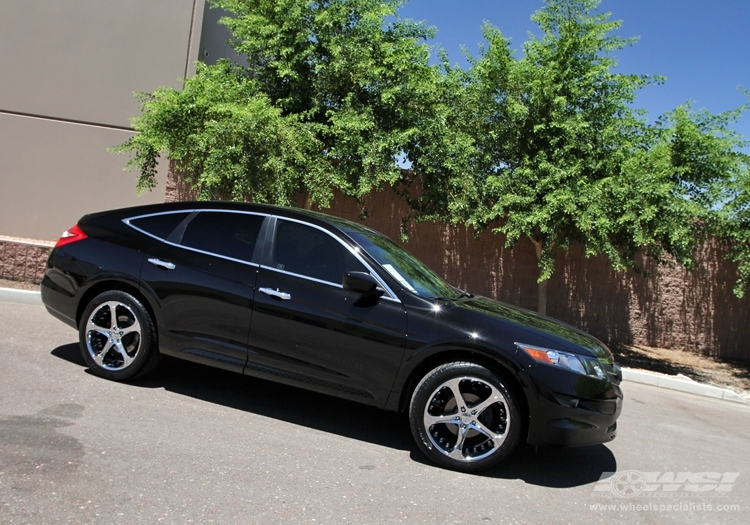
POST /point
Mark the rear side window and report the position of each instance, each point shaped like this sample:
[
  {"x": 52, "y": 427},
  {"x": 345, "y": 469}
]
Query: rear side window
[
  {"x": 222, "y": 233},
  {"x": 159, "y": 225},
  {"x": 311, "y": 252}
]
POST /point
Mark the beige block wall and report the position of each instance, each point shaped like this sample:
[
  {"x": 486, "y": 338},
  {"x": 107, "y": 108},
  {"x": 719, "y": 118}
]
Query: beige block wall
[
  {"x": 68, "y": 70},
  {"x": 52, "y": 173},
  {"x": 214, "y": 43},
  {"x": 83, "y": 59}
]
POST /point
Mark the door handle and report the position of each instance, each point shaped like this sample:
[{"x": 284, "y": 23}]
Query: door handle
[
  {"x": 275, "y": 293},
  {"x": 161, "y": 264}
]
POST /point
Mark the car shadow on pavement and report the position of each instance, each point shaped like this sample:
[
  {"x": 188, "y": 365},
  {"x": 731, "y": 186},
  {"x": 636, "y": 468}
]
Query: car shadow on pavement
[
  {"x": 70, "y": 352},
  {"x": 550, "y": 467},
  {"x": 556, "y": 467},
  {"x": 269, "y": 399},
  {"x": 547, "y": 466}
]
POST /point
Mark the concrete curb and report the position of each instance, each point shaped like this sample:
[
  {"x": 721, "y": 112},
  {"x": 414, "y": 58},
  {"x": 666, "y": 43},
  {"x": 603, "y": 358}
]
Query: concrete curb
[
  {"x": 683, "y": 385},
  {"x": 11, "y": 295}
]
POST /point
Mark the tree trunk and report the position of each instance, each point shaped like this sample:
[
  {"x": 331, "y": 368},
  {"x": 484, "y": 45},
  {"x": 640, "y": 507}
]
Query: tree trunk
[
  {"x": 308, "y": 202},
  {"x": 541, "y": 303},
  {"x": 541, "y": 300}
]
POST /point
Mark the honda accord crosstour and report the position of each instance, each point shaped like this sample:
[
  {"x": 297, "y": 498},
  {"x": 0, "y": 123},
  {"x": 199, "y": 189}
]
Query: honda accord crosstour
[{"x": 318, "y": 302}]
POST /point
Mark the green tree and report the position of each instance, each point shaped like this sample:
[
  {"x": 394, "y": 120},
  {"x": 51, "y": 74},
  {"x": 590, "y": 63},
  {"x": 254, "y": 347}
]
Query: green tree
[
  {"x": 715, "y": 171},
  {"x": 555, "y": 153},
  {"x": 331, "y": 93},
  {"x": 737, "y": 229}
]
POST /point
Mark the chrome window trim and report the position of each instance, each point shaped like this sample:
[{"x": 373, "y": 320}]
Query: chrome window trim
[
  {"x": 390, "y": 295},
  {"x": 212, "y": 254},
  {"x": 127, "y": 221},
  {"x": 320, "y": 281}
]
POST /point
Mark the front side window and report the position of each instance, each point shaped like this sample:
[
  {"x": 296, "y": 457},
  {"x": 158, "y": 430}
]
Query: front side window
[
  {"x": 310, "y": 252},
  {"x": 229, "y": 234},
  {"x": 409, "y": 271}
]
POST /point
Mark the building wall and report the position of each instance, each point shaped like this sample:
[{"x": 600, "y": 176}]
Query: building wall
[
  {"x": 68, "y": 72},
  {"x": 215, "y": 38}
]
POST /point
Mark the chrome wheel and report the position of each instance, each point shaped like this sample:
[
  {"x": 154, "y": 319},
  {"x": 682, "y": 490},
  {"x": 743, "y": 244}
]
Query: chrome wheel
[
  {"x": 113, "y": 335},
  {"x": 467, "y": 418}
]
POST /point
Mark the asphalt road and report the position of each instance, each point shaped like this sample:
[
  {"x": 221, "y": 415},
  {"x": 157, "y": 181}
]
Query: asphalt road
[{"x": 190, "y": 444}]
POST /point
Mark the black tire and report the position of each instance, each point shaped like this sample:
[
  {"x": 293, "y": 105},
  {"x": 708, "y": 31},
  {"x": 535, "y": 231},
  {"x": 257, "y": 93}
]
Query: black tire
[
  {"x": 122, "y": 350},
  {"x": 486, "y": 421}
]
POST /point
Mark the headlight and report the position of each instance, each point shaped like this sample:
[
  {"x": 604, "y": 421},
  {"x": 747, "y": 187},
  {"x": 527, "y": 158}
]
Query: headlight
[{"x": 587, "y": 366}]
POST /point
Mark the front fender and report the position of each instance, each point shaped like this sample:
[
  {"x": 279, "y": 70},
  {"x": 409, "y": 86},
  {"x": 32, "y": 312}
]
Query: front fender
[{"x": 422, "y": 360}]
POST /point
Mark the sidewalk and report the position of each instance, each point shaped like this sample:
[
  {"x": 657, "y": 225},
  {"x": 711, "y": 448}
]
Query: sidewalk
[
  {"x": 12, "y": 295},
  {"x": 681, "y": 383}
]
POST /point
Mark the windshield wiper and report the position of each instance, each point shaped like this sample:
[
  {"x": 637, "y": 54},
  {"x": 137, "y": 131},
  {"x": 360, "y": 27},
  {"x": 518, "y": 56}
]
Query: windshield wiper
[{"x": 461, "y": 295}]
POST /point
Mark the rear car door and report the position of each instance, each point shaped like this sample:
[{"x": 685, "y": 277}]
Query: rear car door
[
  {"x": 307, "y": 329},
  {"x": 203, "y": 277}
]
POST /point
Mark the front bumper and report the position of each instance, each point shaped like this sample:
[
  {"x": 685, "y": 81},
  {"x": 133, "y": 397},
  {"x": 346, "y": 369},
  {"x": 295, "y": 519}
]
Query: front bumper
[
  {"x": 562, "y": 426},
  {"x": 571, "y": 410}
]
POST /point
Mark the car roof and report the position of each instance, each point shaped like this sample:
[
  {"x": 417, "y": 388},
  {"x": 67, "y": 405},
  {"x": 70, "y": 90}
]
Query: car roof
[{"x": 314, "y": 217}]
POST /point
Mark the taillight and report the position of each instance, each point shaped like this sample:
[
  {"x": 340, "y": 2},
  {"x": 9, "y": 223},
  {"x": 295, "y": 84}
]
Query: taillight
[{"x": 72, "y": 235}]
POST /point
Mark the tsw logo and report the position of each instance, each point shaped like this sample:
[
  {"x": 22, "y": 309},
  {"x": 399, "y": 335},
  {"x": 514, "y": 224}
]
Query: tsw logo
[{"x": 630, "y": 483}]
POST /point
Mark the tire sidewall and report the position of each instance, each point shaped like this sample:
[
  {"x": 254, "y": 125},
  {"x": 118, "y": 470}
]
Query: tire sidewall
[
  {"x": 147, "y": 335},
  {"x": 422, "y": 394}
]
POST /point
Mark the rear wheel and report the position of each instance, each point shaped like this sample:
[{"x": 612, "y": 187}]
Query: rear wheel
[
  {"x": 117, "y": 336},
  {"x": 463, "y": 417}
]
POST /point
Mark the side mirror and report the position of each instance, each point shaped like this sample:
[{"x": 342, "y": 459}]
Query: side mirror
[{"x": 361, "y": 282}]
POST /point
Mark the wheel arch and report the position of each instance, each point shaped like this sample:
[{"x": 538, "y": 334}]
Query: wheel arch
[
  {"x": 504, "y": 368},
  {"x": 111, "y": 284}
]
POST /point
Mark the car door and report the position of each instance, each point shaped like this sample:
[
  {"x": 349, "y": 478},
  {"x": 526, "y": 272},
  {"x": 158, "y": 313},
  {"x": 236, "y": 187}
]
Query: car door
[
  {"x": 203, "y": 276},
  {"x": 308, "y": 330}
]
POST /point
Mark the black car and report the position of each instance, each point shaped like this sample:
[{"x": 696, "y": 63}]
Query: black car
[{"x": 319, "y": 302}]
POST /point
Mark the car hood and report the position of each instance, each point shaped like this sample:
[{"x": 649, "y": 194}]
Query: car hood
[{"x": 537, "y": 326}]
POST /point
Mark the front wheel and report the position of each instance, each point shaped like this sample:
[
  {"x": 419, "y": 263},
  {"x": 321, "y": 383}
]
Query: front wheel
[
  {"x": 117, "y": 336},
  {"x": 463, "y": 417}
]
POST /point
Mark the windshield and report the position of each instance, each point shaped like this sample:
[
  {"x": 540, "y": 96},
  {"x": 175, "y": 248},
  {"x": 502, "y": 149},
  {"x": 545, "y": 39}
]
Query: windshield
[{"x": 409, "y": 271}]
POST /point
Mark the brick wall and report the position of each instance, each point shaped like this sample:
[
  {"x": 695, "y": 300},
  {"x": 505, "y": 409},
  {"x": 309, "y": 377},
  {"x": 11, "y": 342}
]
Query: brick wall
[
  {"x": 176, "y": 189},
  {"x": 23, "y": 259}
]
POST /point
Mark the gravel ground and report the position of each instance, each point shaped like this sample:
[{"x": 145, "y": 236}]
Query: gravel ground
[
  {"x": 18, "y": 285},
  {"x": 733, "y": 375}
]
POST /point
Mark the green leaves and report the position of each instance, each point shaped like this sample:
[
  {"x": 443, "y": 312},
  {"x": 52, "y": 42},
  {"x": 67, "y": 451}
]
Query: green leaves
[
  {"x": 558, "y": 120},
  {"x": 555, "y": 152},
  {"x": 228, "y": 139},
  {"x": 736, "y": 227},
  {"x": 332, "y": 94}
]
